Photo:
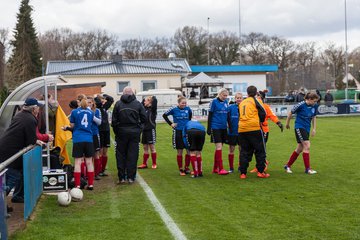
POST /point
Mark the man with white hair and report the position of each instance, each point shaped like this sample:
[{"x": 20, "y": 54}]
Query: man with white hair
[
  {"x": 20, "y": 134},
  {"x": 127, "y": 119}
]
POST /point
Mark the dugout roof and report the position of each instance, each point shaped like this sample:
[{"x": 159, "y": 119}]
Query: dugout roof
[{"x": 32, "y": 88}]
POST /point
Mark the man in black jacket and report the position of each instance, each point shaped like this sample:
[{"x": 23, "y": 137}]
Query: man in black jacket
[
  {"x": 20, "y": 134},
  {"x": 127, "y": 120}
]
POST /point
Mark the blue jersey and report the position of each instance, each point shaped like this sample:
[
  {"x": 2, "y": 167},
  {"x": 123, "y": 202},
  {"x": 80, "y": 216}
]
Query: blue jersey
[
  {"x": 219, "y": 117},
  {"x": 191, "y": 125},
  {"x": 82, "y": 120},
  {"x": 180, "y": 116},
  {"x": 233, "y": 115},
  {"x": 94, "y": 126},
  {"x": 304, "y": 115}
]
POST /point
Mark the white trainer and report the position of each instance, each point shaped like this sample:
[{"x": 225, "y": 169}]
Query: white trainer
[
  {"x": 310, "y": 171},
  {"x": 287, "y": 169}
]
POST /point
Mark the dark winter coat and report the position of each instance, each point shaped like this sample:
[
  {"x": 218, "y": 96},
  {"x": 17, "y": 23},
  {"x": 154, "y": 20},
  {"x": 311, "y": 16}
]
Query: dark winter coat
[
  {"x": 128, "y": 116},
  {"x": 20, "y": 134}
]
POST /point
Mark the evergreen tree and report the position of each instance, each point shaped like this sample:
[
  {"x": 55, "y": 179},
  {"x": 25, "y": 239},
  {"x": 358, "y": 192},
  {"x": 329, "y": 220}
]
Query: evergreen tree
[{"x": 24, "y": 63}]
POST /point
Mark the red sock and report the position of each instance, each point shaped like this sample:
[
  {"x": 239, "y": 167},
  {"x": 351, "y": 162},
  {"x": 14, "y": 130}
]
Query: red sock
[
  {"x": 145, "y": 158},
  {"x": 90, "y": 176},
  {"x": 153, "y": 157},
  {"x": 218, "y": 155},
  {"x": 179, "y": 161},
  {"x": 216, "y": 163},
  {"x": 231, "y": 161},
  {"x": 194, "y": 164},
  {"x": 187, "y": 161},
  {"x": 83, "y": 168},
  {"x": 100, "y": 162},
  {"x": 306, "y": 157},
  {"x": 103, "y": 163},
  {"x": 77, "y": 179},
  {"x": 293, "y": 158},
  {"x": 199, "y": 164},
  {"x": 97, "y": 166}
]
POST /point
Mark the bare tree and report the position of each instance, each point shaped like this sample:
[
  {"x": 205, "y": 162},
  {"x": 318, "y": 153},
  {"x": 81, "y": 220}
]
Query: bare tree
[
  {"x": 256, "y": 46},
  {"x": 56, "y": 44},
  {"x": 4, "y": 39},
  {"x": 224, "y": 48},
  {"x": 333, "y": 57},
  {"x": 190, "y": 43},
  {"x": 63, "y": 44},
  {"x": 281, "y": 52},
  {"x": 104, "y": 44},
  {"x": 302, "y": 65},
  {"x": 133, "y": 48}
]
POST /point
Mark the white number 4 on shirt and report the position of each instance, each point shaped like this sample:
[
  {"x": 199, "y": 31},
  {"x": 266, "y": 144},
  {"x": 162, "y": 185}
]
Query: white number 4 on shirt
[{"x": 84, "y": 121}]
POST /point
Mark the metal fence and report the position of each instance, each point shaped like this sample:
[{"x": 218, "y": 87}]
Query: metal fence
[{"x": 32, "y": 172}]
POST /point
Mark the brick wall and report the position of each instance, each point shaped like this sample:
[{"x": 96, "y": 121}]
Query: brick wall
[{"x": 66, "y": 95}]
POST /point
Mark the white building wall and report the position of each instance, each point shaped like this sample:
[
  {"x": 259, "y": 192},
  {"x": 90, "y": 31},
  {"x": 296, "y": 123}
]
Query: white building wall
[{"x": 241, "y": 82}]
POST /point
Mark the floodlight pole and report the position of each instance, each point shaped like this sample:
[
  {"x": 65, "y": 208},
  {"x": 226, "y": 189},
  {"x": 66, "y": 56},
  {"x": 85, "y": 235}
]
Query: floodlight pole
[
  {"x": 240, "y": 60},
  {"x": 46, "y": 112},
  {"x": 346, "y": 57},
  {"x": 208, "y": 40}
]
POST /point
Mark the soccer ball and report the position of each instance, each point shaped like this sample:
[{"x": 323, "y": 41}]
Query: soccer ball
[
  {"x": 64, "y": 199},
  {"x": 76, "y": 194}
]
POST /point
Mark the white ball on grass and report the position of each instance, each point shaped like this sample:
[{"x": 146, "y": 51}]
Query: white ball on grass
[
  {"x": 64, "y": 198},
  {"x": 76, "y": 194}
]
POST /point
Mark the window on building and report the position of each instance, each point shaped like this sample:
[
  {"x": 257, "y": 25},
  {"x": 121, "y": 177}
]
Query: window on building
[
  {"x": 240, "y": 87},
  {"x": 148, "y": 84},
  {"x": 121, "y": 86}
]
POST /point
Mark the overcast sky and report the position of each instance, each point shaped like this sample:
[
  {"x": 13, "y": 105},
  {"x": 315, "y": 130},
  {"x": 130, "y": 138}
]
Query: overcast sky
[{"x": 321, "y": 21}]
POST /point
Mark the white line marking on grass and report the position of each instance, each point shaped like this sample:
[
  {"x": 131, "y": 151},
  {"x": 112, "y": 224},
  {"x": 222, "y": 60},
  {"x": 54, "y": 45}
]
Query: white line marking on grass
[
  {"x": 168, "y": 221},
  {"x": 115, "y": 213}
]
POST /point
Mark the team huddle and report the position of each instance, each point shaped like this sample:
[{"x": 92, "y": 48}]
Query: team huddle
[{"x": 243, "y": 124}]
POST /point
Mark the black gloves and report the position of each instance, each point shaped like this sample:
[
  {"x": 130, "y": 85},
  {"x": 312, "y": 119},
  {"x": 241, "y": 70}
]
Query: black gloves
[{"x": 280, "y": 126}]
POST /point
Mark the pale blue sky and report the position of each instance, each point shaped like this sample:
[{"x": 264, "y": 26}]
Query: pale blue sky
[{"x": 321, "y": 21}]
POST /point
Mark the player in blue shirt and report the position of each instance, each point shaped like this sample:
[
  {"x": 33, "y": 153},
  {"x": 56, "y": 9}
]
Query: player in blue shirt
[
  {"x": 233, "y": 123},
  {"x": 81, "y": 120},
  {"x": 96, "y": 136},
  {"x": 181, "y": 115},
  {"x": 217, "y": 128},
  {"x": 194, "y": 138},
  {"x": 305, "y": 115}
]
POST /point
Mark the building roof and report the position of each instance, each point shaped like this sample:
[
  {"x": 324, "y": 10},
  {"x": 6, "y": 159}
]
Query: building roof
[
  {"x": 233, "y": 68},
  {"x": 123, "y": 66}
]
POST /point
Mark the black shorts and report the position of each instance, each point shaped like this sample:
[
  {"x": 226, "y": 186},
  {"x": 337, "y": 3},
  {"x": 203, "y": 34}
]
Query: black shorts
[
  {"x": 218, "y": 135},
  {"x": 195, "y": 139},
  {"x": 301, "y": 135},
  {"x": 233, "y": 140},
  {"x": 178, "y": 142},
  {"x": 83, "y": 149},
  {"x": 148, "y": 136},
  {"x": 96, "y": 142},
  {"x": 104, "y": 139}
]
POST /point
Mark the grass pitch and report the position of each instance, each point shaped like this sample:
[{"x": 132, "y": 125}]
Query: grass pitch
[{"x": 284, "y": 206}]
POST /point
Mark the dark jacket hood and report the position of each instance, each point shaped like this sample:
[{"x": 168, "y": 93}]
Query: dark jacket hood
[{"x": 127, "y": 98}]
